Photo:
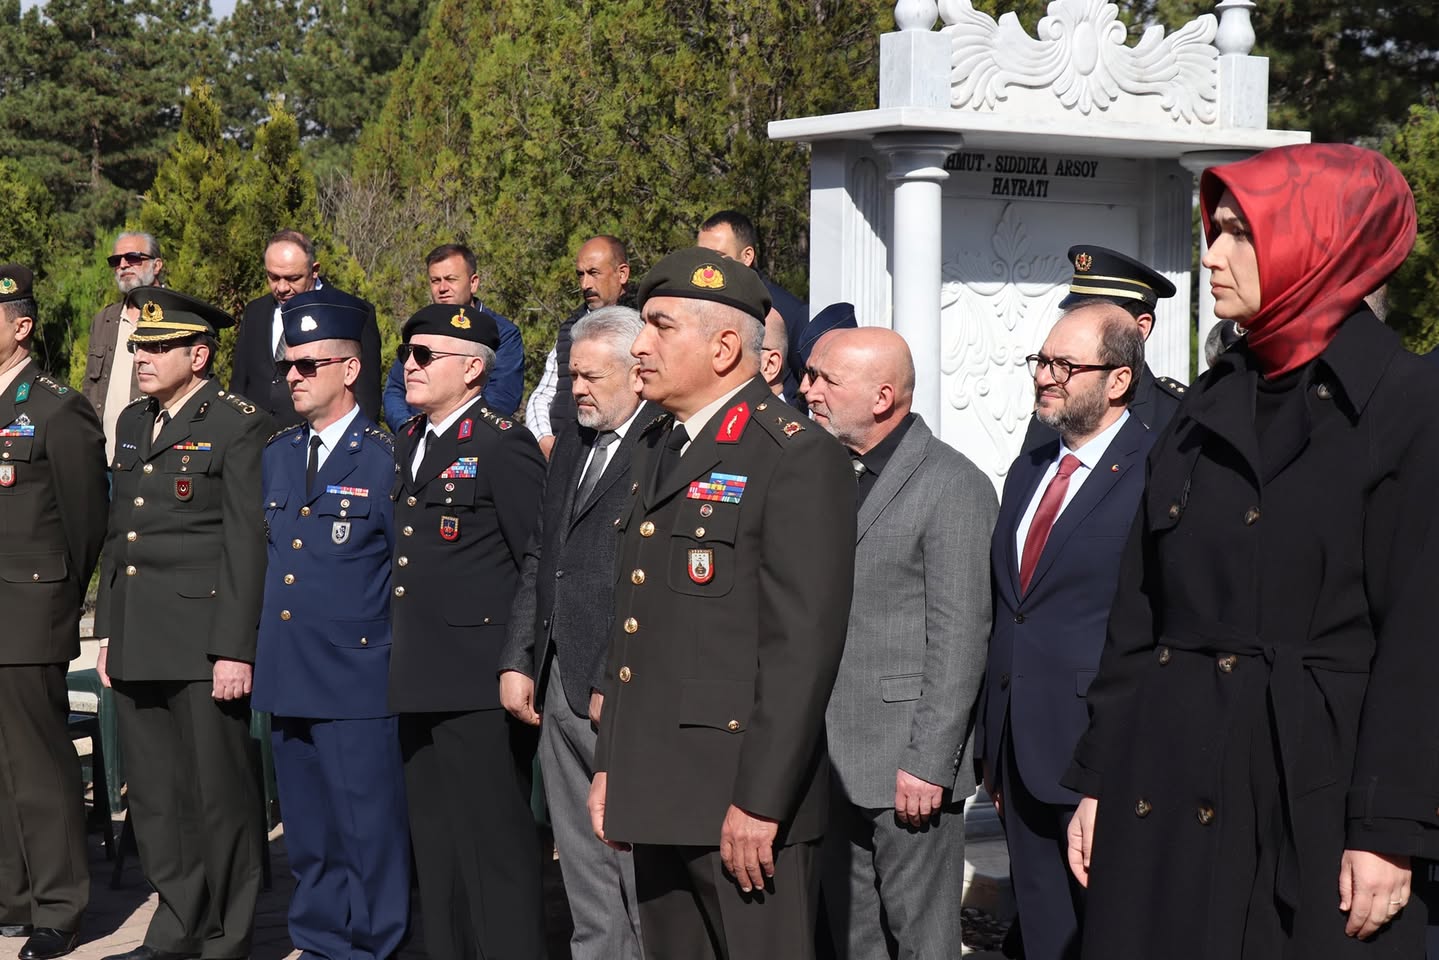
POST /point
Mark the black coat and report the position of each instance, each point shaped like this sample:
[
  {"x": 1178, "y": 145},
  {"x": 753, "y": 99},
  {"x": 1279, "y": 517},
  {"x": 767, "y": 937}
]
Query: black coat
[
  {"x": 565, "y": 605},
  {"x": 53, "y": 507},
  {"x": 253, "y": 373},
  {"x": 457, "y": 558},
  {"x": 731, "y": 620},
  {"x": 184, "y": 563},
  {"x": 1265, "y": 698}
]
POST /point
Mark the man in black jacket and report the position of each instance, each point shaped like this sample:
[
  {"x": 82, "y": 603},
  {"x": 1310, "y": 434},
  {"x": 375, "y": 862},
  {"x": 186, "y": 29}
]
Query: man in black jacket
[
  {"x": 559, "y": 626},
  {"x": 290, "y": 268}
]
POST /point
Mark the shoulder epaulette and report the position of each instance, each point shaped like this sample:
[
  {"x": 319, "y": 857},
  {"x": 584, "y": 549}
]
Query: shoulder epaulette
[
  {"x": 55, "y": 387},
  {"x": 664, "y": 418},
  {"x": 382, "y": 437},
  {"x": 238, "y": 402},
  {"x": 1171, "y": 386},
  {"x": 776, "y": 422},
  {"x": 136, "y": 402},
  {"x": 495, "y": 420},
  {"x": 409, "y": 425},
  {"x": 285, "y": 432}
]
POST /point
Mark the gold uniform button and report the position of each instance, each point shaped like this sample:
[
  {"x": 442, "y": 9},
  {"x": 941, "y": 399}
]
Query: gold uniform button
[
  {"x": 1164, "y": 656},
  {"x": 732, "y": 726},
  {"x": 284, "y": 614},
  {"x": 631, "y": 625},
  {"x": 1205, "y": 815},
  {"x": 411, "y": 501},
  {"x": 399, "y": 591},
  {"x": 1142, "y": 808},
  {"x": 139, "y": 501},
  {"x": 34, "y": 576},
  {"x": 637, "y": 577},
  {"x": 1323, "y": 391},
  {"x": 1227, "y": 664},
  {"x": 647, "y": 529},
  {"x": 1251, "y": 516},
  {"x": 409, "y": 531},
  {"x": 289, "y": 578},
  {"x": 132, "y": 536},
  {"x": 148, "y": 468},
  {"x": 403, "y": 561},
  {"x": 1174, "y": 511},
  {"x": 296, "y": 543},
  {"x": 699, "y": 532},
  {"x": 625, "y": 674},
  {"x": 364, "y": 641},
  {"x": 304, "y": 511},
  {"x": 130, "y": 570}
]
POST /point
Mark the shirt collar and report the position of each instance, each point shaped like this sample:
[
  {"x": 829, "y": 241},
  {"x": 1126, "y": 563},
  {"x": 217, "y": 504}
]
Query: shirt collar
[
  {"x": 8, "y": 378},
  {"x": 174, "y": 406},
  {"x": 1092, "y": 452},
  {"x": 622, "y": 428},
  {"x": 330, "y": 436},
  {"x": 695, "y": 425},
  {"x": 438, "y": 429}
]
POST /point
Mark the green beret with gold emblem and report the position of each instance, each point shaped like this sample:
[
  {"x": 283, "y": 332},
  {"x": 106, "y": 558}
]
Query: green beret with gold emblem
[{"x": 696, "y": 273}]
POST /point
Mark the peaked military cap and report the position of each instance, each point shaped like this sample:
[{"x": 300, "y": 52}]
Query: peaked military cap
[
  {"x": 16, "y": 282},
  {"x": 171, "y": 315},
  {"x": 450, "y": 320},
  {"x": 699, "y": 274},
  {"x": 313, "y": 315},
  {"x": 1101, "y": 272},
  {"x": 836, "y": 316}
]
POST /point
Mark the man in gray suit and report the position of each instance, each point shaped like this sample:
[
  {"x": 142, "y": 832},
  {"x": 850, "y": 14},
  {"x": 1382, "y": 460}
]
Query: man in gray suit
[
  {"x": 900, "y": 717},
  {"x": 562, "y": 616}
]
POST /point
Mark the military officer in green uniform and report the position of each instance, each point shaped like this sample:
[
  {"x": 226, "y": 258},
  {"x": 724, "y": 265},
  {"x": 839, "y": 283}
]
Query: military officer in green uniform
[
  {"x": 180, "y": 591},
  {"x": 736, "y": 565},
  {"x": 52, "y": 522}
]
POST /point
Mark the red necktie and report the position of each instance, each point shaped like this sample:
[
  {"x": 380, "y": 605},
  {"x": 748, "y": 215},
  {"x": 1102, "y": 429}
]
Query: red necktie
[{"x": 1044, "y": 519}]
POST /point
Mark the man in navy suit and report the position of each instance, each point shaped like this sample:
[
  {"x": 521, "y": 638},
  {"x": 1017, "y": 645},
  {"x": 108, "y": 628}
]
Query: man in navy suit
[
  {"x": 1063, "y": 518},
  {"x": 322, "y": 665}
]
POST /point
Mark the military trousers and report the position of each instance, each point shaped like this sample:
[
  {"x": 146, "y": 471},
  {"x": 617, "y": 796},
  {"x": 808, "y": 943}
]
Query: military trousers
[
  {"x": 44, "y": 878},
  {"x": 195, "y": 809}
]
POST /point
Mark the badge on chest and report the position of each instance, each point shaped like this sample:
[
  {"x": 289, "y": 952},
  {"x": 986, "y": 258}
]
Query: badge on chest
[
  {"x": 450, "y": 528},
  {"x": 702, "y": 568},
  {"x": 7, "y": 474},
  {"x": 184, "y": 488},
  {"x": 340, "y": 532}
]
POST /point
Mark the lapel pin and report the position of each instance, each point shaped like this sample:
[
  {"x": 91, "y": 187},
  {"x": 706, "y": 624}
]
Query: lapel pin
[{"x": 1114, "y": 468}]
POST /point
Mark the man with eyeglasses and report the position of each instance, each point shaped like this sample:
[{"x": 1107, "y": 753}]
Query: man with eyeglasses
[
  {"x": 322, "y": 666},
  {"x": 110, "y": 381},
  {"x": 1064, "y": 515},
  {"x": 180, "y": 588},
  {"x": 467, "y": 497}
]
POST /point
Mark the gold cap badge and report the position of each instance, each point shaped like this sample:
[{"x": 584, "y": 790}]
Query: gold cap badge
[
  {"x": 460, "y": 322},
  {"x": 8, "y": 285},
  {"x": 708, "y": 277},
  {"x": 152, "y": 312},
  {"x": 1083, "y": 262}
]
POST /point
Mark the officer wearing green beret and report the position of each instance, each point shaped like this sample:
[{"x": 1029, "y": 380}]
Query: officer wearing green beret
[
  {"x": 736, "y": 564},
  {"x": 180, "y": 592},
  {"x": 52, "y": 514}
]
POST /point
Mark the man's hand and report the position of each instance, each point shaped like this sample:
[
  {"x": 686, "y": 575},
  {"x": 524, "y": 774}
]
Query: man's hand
[
  {"x": 1081, "y": 839},
  {"x": 596, "y": 803},
  {"x": 1373, "y": 888},
  {"x": 231, "y": 679},
  {"x": 547, "y": 443},
  {"x": 995, "y": 796},
  {"x": 597, "y": 704},
  {"x": 517, "y": 695},
  {"x": 747, "y": 848},
  {"x": 100, "y": 662},
  {"x": 915, "y": 799}
]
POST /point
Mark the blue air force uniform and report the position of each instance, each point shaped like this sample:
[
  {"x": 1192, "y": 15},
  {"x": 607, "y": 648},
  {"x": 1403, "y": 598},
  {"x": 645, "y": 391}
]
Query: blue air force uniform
[{"x": 322, "y": 670}]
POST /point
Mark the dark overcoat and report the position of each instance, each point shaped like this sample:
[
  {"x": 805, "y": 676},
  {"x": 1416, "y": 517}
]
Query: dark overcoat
[
  {"x": 735, "y": 575},
  {"x": 1265, "y": 698}
]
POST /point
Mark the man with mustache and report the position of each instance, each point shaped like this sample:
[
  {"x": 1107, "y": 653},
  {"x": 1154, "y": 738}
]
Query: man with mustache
[
  {"x": 1054, "y": 558},
  {"x": 110, "y": 370}
]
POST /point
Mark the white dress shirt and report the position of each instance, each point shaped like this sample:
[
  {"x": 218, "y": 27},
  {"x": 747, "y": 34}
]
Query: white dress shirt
[
  {"x": 435, "y": 430},
  {"x": 330, "y": 436},
  {"x": 1089, "y": 457}
]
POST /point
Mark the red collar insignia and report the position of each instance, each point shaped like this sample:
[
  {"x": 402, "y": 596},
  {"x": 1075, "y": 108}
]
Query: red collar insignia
[
  {"x": 733, "y": 422},
  {"x": 467, "y": 427}
]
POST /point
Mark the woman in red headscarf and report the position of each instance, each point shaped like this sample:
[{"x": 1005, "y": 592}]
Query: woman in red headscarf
[{"x": 1262, "y": 759}]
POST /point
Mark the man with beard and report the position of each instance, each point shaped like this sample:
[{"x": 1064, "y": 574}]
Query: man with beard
[
  {"x": 110, "y": 381},
  {"x": 1063, "y": 519}
]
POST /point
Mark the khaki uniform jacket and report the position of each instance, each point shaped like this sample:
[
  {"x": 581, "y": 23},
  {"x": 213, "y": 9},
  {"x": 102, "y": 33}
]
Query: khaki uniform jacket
[
  {"x": 52, "y": 516},
  {"x": 732, "y": 596},
  {"x": 184, "y": 566}
]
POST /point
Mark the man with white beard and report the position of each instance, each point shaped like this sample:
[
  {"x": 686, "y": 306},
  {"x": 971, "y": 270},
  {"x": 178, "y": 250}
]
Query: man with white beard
[{"x": 110, "y": 382}]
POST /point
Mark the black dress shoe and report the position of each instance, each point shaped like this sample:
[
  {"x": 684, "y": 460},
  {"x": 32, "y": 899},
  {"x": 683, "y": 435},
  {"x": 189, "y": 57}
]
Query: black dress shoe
[
  {"x": 143, "y": 952},
  {"x": 15, "y": 930},
  {"x": 47, "y": 943}
]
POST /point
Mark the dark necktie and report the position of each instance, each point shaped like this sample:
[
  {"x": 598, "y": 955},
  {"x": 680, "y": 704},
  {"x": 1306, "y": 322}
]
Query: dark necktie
[
  {"x": 312, "y": 467},
  {"x": 160, "y": 422},
  {"x": 596, "y": 468},
  {"x": 674, "y": 446},
  {"x": 1044, "y": 518}
]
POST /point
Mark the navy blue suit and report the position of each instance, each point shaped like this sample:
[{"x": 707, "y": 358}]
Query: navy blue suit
[
  {"x": 1043, "y": 652},
  {"x": 321, "y": 669}
]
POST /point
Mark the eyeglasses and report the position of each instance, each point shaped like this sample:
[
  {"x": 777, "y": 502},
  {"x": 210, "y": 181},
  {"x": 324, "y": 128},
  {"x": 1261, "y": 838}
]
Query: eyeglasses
[
  {"x": 129, "y": 259},
  {"x": 163, "y": 347},
  {"x": 308, "y": 366},
  {"x": 1062, "y": 370},
  {"x": 423, "y": 354}
]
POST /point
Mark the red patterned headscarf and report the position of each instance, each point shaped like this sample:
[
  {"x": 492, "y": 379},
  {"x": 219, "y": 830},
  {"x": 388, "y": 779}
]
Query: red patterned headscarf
[{"x": 1330, "y": 223}]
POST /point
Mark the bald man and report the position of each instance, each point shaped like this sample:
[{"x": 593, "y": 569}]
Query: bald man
[
  {"x": 772, "y": 353},
  {"x": 900, "y": 716}
]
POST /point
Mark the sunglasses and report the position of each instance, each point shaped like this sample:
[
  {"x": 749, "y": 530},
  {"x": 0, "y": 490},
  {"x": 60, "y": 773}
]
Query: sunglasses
[
  {"x": 423, "y": 355},
  {"x": 129, "y": 259},
  {"x": 307, "y": 366}
]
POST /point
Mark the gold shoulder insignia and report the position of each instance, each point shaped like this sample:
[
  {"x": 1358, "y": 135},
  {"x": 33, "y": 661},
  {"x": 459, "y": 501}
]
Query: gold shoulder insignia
[
  {"x": 59, "y": 389},
  {"x": 284, "y": 433},
  {"x": 137, "y": 400},
  {"x": 1171, "y": 386},
  {"x": 239, "y": 403},
  {"x": 381, "y": 436},
  {"x": 664, "y": 418},
  {"x": 495, "y": 420}
]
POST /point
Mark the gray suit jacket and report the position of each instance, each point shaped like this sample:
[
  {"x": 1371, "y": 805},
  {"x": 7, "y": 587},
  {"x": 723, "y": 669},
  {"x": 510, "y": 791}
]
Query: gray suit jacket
[
  {"x": 918, "y": 625},
  {"x": 565, "y": 603}
]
